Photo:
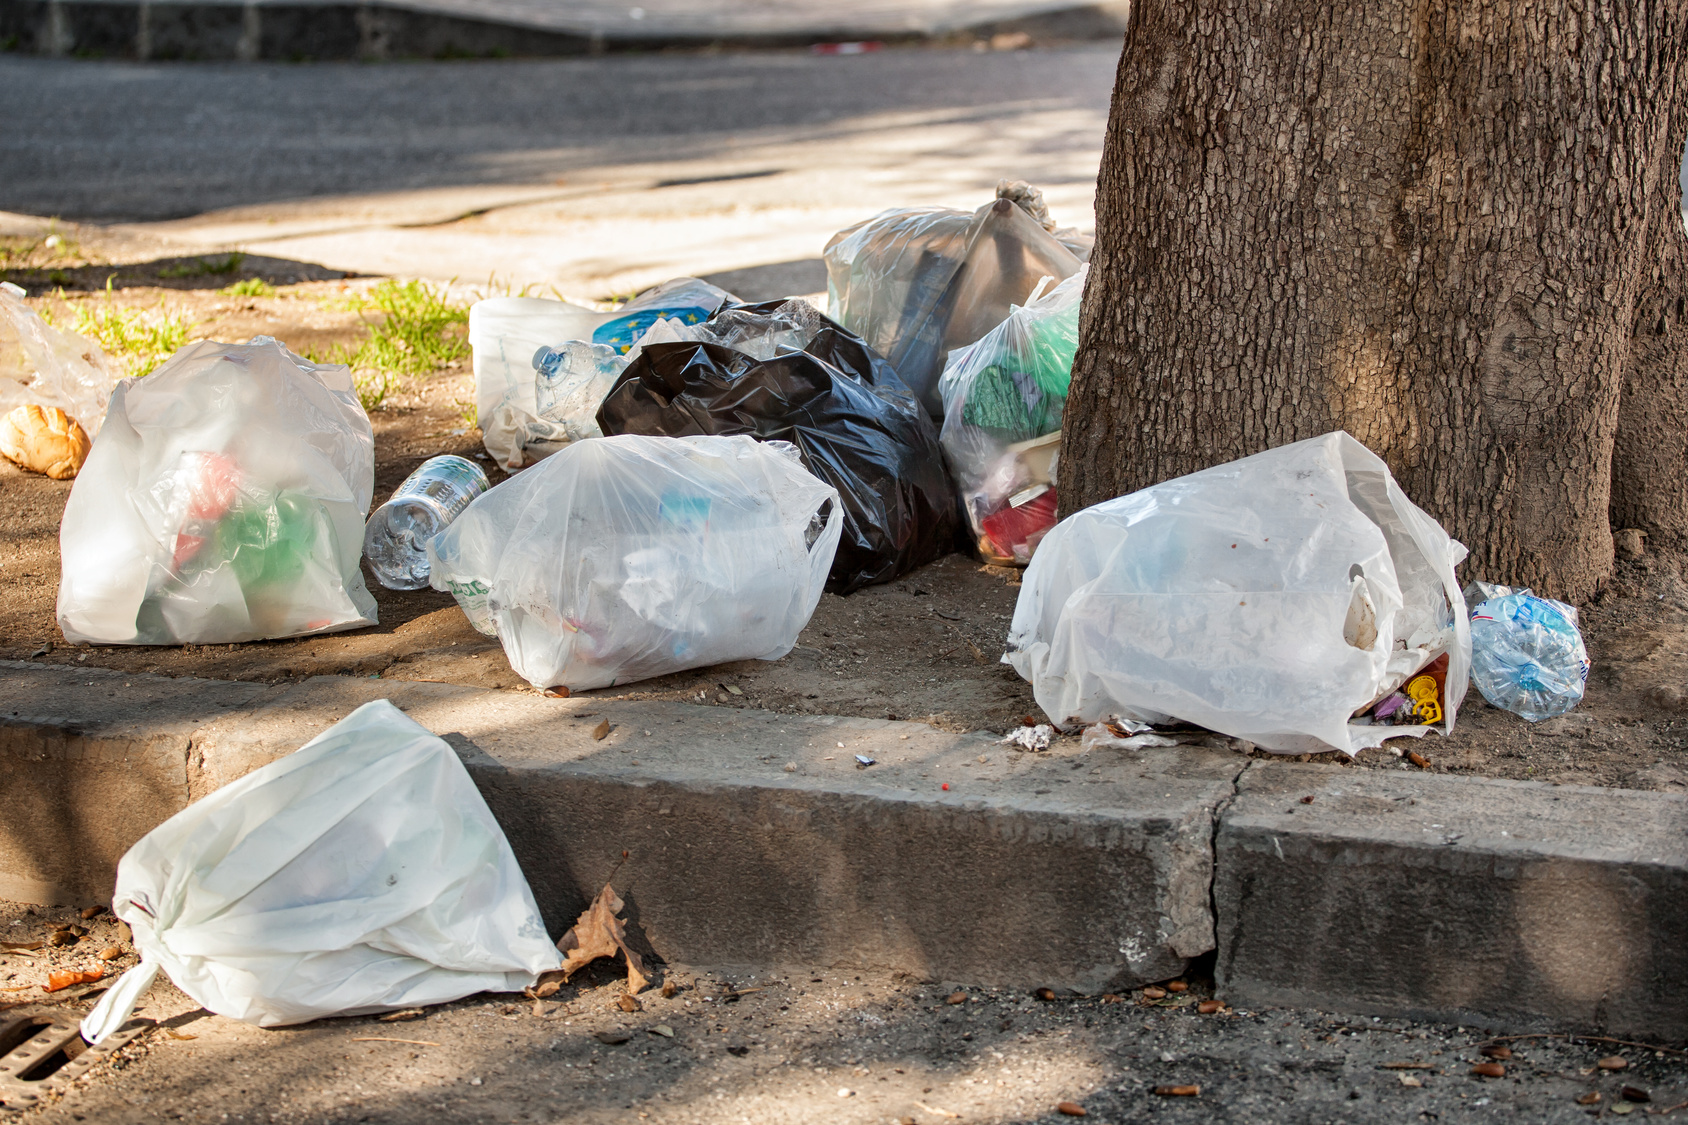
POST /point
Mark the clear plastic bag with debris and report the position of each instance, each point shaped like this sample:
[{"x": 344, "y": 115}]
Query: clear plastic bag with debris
[
  {"x": 361, "y": 873},
  {"x": 918, "y": 282},
  {"x": 510, "y": 336},
  {"x": 1276, "y": 599},
  {"x": 223, "y": 501},
  {"x": 628, "y": 557},
  {"x": 42, "y": 365},
  {"x": 1527, "y": 653},
  {"x": 1004, "y": 397}
]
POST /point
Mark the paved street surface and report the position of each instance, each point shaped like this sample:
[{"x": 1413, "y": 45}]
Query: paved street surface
[
  {"x": 595, "y": 176},
  {"x": 807, "y": 1045}
]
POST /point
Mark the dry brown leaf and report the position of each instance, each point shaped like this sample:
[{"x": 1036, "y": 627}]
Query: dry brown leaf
[
  {"x": 557, "y": 692},
  {"x": 626, "y": 1003},
  {"x": 111, "y": 953},
  {"x": 599, "y": 933},
  {"x": 1176, "y": 986},
  {"x": 402, "y": 1016},
  {"x": 1489, "y": 1070},
  {"x": 56, "y": 981},
  {"x": 1635, "y": 1094},
  {"x": 1612, "y": 1062},
  {"x": 62, "y": 937},
  {"x": 1494, "y": 1052},
  {"x": 1178, "y": 1091},
  {"x": 670, "y": 989},
  {"x": 92, "y": 912},
  {"x": 1408, "y": 1066},
  {"x": 934, "y": 1109},
  {"x": 540, "y": 1008},
  {"x": 1208, "y": 1007},
  {"x": 1590, "y": 1098},
  {"x": 1044, "y": 993},
  {"x": 956, "y": 998},
  {"x": 174, "y": 1034},
  {"x": 1071, "y": 1109},
  {"x": 1112, "y": 998},
  {"x": 601, "y": 731},
  {"x": 1152, "y": 993},
  {"x": 18, "y": 946}
]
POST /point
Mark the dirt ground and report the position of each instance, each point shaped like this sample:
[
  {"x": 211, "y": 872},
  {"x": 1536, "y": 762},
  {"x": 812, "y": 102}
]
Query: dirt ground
[
  {"x": 924, "y": 648},
  {"x": 800, "y": 1044}
]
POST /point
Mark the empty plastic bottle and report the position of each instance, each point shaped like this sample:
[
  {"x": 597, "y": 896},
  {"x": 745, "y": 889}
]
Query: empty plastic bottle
[
  {"x": 1527, "y": 655},
  {"x": 420, "y": 508}
]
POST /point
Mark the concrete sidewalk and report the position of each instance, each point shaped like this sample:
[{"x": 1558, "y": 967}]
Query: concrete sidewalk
[
  {"x": 756, "y": 839},
  {"x": 297, "y": 30}
]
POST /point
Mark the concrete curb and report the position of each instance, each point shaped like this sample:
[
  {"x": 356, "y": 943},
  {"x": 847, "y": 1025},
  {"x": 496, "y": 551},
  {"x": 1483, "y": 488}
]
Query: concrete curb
[
  {"x": 1489, "y": 903},
  {"x": 325, "y": 30}
]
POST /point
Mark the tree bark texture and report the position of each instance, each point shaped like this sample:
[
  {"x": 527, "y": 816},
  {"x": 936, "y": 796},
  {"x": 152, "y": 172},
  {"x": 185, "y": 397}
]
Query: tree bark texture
[{"x": 1437, "y": 225}]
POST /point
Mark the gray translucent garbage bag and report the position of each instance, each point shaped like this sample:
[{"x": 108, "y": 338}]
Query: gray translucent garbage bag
[
  {"x": 361, "y": 873},
  {"x": 50, "y": 366},
  {"x": 223, "y": 501},
  {"x": 1274, "y": 599},
  {"x": 509, "y": 335},
  {"x": 1003, "y": 400},
  {"x": 918, "y": 282},
  {"x": 627, "y": 557}
]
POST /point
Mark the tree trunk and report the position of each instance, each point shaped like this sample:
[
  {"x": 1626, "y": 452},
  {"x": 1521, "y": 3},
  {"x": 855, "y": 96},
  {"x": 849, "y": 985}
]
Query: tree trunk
[{"x": 1432, "y": 225}]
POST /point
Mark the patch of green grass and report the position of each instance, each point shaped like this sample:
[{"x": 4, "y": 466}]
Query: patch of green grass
[
  {"x": 138, "y": 339},
  {"x": 249, "y": 287},
  {"x": 200, "y": 267},
  {"x": 418, "y": 331}
]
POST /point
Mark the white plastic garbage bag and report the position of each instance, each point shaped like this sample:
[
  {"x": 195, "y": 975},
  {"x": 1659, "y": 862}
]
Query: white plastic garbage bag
[
  {"x": 51, "y": 366},
  {"x": 628, "y": 557},
  {"x": 223, "y": 501},
  {"x": 1003, "y": 400},
  {"x": 361, "y": 873},
  {"x": 506, "y": 335},
  {"x": 1272, "y": 599}
]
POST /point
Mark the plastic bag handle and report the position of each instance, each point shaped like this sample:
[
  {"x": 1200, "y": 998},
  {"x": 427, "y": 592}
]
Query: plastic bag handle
[{"x": 116, "y": 1006}]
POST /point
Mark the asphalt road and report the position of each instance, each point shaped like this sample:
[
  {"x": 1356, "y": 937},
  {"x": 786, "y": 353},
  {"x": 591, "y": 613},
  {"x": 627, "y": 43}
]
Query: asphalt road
[{"x": 132, "y": 141}]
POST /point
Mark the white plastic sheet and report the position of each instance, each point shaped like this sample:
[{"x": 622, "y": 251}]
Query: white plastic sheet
[
  {"x": 223, "y": 501},
  {"x": 51, "y": 366},
  {"x": 1269, "y": 599},
  {"x": 361, "y": 873},
  {"x": 627, "y": 557}
]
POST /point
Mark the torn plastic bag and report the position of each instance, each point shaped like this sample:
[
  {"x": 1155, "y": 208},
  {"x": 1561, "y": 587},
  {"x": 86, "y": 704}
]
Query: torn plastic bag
[
  {"x": 1003, "y": 401},
  {"x": 223, "y": 501},
  {"x": 628, "y": 557},
  {"x": 855, "y": 424},
  {"x": 361, "y": 873},
  {"x": 47, "y": 366},
  {"x": 506, "y": 335},
  {"x": 916, "y": 283},
  {"x": 1527, "y": 654},
  {"x": 1271, "y": 599}
]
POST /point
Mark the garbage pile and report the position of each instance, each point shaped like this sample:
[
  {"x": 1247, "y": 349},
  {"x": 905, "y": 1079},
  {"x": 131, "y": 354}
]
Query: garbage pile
[{"x": 54, "y": 386}]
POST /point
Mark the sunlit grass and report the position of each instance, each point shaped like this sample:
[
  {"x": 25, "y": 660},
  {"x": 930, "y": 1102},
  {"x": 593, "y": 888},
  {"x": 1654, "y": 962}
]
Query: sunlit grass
[{"x": 418, "y": 330}]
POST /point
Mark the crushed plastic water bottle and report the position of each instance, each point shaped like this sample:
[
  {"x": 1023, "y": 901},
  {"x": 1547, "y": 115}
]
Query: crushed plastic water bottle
[
  {"x": 396, "y": 536},
  {"x": 1527, "y": 655}
]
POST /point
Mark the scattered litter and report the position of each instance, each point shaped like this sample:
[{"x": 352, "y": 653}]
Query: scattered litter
[
  {"x": 599, "y": 933},
  {"x": 404, "y": 1015},
  {"x": 864, "y": 761},
  {"x": 111, "y": 953},
  {"x": 1071, "y": 1109},
  {"x": 1003, "y": 401},
  {"x": 1043, "y": 993},
  {"x": 956, "y": 998},
  {"x": 66, "y": 978},
  {"x": 1115, "y": 736},
  {"x": 846, "y": 1092},
  {"x": 1029, "y": 738},
  {"x": 91, "y": 912},
  {"x": 1177, "y": 986},
  {"x": 601, "y": 731},
  {"x": 1489, "y": 1070},
  {"x": 1527, "y": 654},
  {"x": 225, "y": 504},
  {"x": 44, "y": 440},
  {"x": 246, "y": 899},
  {"x": 45, "y": 366},
  {"x": 853, "y": 422},
  {"x": 1178, "y": 1091},
  {"x": 663, "y": 1030},
  {"x": 1209, "y": 1007},
  {"x": 919, "y": 282},
  {"x": 1418, "y": 759},
  {"x": 1153, "y": 993},
  {"x": 628, "y": 557},
  {"x": 506, "y": 335},
  {"x": 396, "y": 537},
  {"x": 19, "y": 946},
  {"x": 1613, "y": 1062},
  {"x": 627, "y": 1003},
  {"x": 1122, "y": 611},
  {"x": 174, "y": 1034}
]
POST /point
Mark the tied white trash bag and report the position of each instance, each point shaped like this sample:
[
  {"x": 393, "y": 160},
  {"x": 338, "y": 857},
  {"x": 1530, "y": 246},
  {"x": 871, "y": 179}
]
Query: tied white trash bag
[
  {"x": 361, "y": 873},
  {"x": 50, "y": 366},
  {"x": 627, "y": 557},
  {"x": 223, "y": 501},
  {"x": 509, "y": 335},
  {"x": 1271, "y": 599}
]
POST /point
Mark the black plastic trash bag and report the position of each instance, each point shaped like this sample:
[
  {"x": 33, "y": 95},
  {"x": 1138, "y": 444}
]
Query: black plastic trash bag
[{"x": 858, "y": 428}]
